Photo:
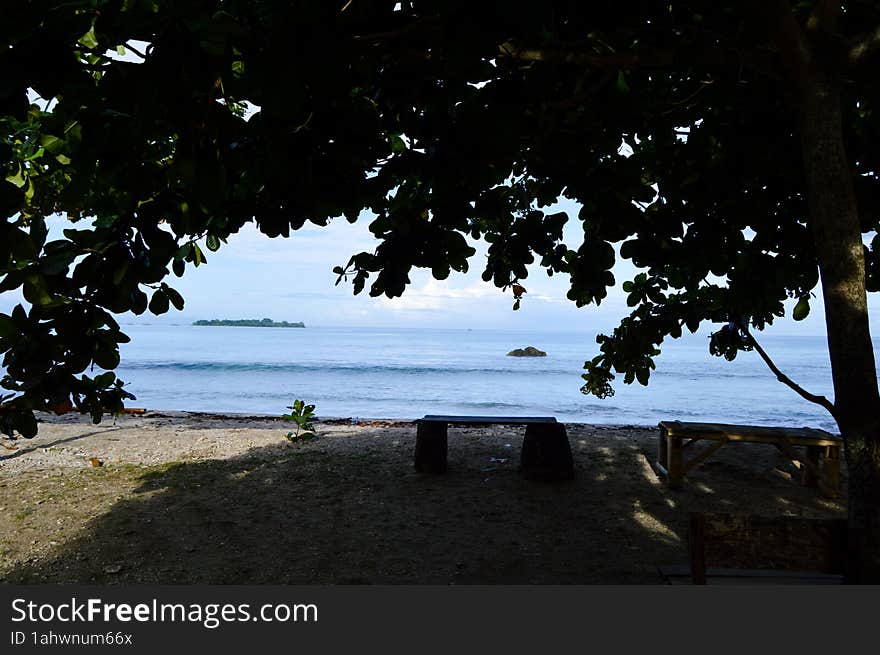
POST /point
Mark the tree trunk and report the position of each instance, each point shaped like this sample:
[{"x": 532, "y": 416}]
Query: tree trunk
[{"x": 833, "y": 215}]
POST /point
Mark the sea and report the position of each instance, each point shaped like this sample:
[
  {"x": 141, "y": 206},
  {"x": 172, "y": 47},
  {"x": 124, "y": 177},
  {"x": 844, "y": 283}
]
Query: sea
[{"x": 405, "y": 373}]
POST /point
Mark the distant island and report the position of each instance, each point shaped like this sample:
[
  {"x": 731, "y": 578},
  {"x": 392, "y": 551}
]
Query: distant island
[
  {"x": 249, "y": 322},
  {"x": 528, "y": 351}
]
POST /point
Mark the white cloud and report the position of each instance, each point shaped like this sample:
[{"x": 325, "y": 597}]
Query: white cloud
[
  {"x": 442, "y": 295},
  {"x": 328, "y": 246}
]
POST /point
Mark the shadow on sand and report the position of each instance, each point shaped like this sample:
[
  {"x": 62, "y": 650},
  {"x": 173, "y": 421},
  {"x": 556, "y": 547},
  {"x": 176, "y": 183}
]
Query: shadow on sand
[{"x": 289, "y": 515}]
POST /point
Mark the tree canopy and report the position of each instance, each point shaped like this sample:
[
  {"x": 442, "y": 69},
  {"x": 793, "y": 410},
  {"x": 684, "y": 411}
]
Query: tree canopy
[{"x": 727, "y": 149}]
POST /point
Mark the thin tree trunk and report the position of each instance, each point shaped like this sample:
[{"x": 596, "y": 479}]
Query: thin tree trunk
[{"x": 835, "y": 222}]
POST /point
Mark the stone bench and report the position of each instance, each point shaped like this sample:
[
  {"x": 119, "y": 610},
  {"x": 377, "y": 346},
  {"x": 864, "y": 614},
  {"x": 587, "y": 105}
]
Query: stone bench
[{"x": 546, "y": 453}]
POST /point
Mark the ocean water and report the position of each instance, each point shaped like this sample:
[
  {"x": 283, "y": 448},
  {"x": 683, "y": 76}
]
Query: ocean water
[{"x": 407, "y": 373}]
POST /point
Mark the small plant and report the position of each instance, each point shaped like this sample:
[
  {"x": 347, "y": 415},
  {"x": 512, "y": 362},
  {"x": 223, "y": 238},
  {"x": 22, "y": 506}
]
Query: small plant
[{"x": 302, "y": 415}]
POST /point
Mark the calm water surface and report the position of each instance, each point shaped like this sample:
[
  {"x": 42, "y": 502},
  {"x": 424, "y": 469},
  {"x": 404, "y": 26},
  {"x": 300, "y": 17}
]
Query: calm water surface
[{"x": 406, "y": 373}]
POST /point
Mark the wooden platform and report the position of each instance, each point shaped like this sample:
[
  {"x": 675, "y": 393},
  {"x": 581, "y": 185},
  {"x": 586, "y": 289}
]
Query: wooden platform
[{"x": 820, "y": 462}]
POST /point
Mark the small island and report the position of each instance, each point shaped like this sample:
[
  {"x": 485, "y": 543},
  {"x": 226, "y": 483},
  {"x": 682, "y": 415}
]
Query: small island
[
  {"x": 528, "y": 351},
  {"x": 249, "y": 322}
]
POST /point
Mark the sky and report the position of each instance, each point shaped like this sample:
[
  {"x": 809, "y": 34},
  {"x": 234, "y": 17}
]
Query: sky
[{"x": 291, "y": 279}]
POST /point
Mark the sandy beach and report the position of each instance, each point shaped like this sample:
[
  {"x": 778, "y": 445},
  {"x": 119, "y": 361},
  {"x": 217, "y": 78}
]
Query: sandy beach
[{"x": 180, "y": 498}]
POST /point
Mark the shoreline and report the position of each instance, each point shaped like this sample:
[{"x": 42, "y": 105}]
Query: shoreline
[
  {"x": 49, "y": 418},
  {"x": 243, "y": 417}
]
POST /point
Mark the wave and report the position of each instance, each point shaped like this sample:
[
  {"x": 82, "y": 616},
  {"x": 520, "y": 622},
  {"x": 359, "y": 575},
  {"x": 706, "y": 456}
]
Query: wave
[
  {"x": 691, "y": 373},
  {"x": 758, "y": 373},
  {"x": 290, "y": 367}
]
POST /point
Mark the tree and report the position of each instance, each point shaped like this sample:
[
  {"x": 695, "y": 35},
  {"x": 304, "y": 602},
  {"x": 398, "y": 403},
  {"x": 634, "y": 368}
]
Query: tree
[{"x": 750, "y": 171}]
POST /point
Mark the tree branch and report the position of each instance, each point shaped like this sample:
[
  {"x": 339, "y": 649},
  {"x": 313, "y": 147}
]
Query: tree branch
[
  {"x": 782, "y": 377},
  {"x": 788, "y": 36},
  {"x": 418, "y": 29},
  {"x": 654, "y": 58},
  {"x": 134, "y": 50}
]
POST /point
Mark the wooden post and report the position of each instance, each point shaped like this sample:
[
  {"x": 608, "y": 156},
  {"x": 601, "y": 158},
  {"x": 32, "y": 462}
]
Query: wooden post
[
  {"x": 832, "y": 468},
  {"x": 697, "y": 548},
  {"x": 663, "y": 449},
  {"x": 431, "y": 445},
  {"x": 675, "y": 463},
  {"x": 811, "y": 479}
]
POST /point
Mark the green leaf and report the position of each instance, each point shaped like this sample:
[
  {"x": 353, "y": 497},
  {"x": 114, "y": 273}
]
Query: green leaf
[
  {"x": 622, "y": 86},
  {"x": 175, "y": 298},
  {"x": 34, "y": 290},
  {"x": 11, "y": 199},
  {"x": 213, "y": 243},
  {"x": 184, "y": 251},
  {"x": 89, "y": 40},
  {"x": 198, "y": 256},
  {"x": 7, "y": 326},
  {"x": 802, "y": 309},
  {"x": 19, "y": 179},
  {"x": 52, "y": 143},
  {"x": 38, "y": 232},
  {"x": 138, "y": 301},
  {"x": 29, "y": 190},
  {"x": 397, "y": 144},
  {"x": 105, "y": 379},
  {"x": 159, "y": 302},
  {"x": 107, "y": 357},
  {"x": 119, "y": 273}
]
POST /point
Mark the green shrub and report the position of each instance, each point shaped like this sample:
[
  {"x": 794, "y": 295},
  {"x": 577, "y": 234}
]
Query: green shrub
[{"x": 302, "y": 415}]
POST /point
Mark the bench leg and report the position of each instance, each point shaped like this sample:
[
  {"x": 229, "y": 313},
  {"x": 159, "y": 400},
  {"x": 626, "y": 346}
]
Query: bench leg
[
  {"x": 832, "y": 468},
  {"x": 675, "y": 462},
  {"x": 663, "y": 451},
  {"x": 546, "y": 453},
  {"x": 811, "y": 479},
  {"x": 431, "y": 446}
]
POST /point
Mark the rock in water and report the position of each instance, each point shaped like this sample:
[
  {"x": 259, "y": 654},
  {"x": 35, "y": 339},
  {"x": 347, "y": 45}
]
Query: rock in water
[{"x": 528, "y": 351}]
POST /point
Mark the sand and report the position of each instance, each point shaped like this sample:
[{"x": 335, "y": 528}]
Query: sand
[{"x": 179, "y": 498}]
